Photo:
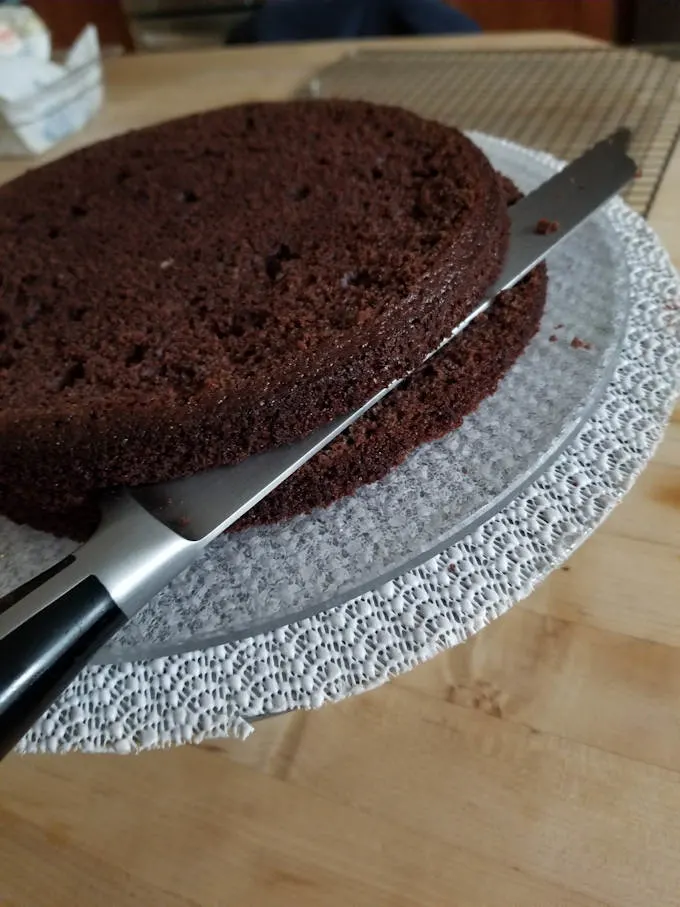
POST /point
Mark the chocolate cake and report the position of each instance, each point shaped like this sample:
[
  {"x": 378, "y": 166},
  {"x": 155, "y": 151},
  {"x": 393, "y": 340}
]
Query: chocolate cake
[
  {"x": 183, "y": 296},
  {"x": 427, "y": 407}
]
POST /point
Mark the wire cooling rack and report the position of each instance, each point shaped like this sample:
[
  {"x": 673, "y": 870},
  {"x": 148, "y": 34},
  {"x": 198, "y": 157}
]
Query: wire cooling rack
[{"x": 558, "y": 101}]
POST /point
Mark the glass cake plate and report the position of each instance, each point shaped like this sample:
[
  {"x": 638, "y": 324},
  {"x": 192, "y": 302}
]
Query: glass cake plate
[{"x": 258, "y": 579}]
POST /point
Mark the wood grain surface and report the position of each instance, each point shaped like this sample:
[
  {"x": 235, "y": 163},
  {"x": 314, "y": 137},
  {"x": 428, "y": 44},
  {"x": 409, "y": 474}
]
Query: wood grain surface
[{"x": 536, "y": 766}]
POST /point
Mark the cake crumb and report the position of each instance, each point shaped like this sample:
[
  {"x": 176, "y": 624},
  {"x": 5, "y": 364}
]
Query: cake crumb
[
  {"x": 452, "y": 568},
  {"x": 545, "y": 226},
  {"x": 559, "y": 327},
  {"x": 553, "y": 338},
  {"x": 578, "y": 344},
  {"x": 565, "y": 568}
]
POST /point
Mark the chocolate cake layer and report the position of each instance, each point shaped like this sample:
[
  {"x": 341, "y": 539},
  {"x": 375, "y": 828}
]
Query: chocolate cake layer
[{"x": 183, "y": 296}]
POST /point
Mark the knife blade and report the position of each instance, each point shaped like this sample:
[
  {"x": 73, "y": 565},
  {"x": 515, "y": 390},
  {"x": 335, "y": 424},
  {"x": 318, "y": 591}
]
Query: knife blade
[
  {"x": 52, "y": 625},
  {"x": 201, "y": 507}
]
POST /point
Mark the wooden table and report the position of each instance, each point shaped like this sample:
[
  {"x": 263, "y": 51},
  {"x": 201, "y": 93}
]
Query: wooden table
[{"x": 536, "y": 766}]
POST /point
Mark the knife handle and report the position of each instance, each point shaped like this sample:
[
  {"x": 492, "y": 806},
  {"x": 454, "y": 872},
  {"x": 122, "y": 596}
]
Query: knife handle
[{"x": 41, "y": 656}]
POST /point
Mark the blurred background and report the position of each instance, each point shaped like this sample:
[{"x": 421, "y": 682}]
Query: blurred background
[{"x": 126, "y": 25}]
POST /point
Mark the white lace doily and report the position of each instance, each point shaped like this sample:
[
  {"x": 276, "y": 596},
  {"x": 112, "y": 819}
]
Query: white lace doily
[{"x": 358, "y": 645}]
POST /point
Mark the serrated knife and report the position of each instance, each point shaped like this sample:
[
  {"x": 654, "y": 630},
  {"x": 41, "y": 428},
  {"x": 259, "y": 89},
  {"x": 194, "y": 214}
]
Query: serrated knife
[{"x": 52, "y": 625}]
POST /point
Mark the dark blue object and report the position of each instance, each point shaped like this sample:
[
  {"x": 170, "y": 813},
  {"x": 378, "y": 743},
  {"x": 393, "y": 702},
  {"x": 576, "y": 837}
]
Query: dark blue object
[{"x": 318, "y": 20}]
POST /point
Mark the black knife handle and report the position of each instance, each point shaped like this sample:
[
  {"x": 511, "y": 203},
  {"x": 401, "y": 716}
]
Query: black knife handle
[{"x": 39, "y": 658}]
